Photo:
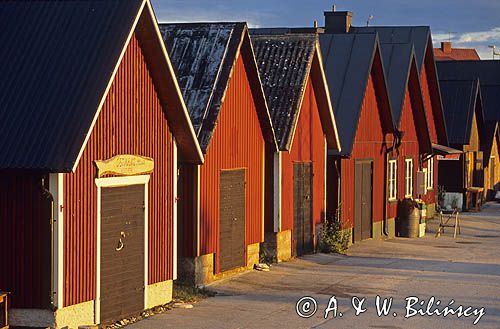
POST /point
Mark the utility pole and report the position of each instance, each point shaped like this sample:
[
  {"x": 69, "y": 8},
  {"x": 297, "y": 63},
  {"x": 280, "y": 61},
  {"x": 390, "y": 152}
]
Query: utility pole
[{"x": 494, "y": 53}]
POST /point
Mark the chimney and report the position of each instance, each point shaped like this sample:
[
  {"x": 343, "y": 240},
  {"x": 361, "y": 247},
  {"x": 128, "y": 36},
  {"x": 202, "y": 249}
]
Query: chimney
[
  {"x": 337, "y": 21},
  {"x": 446, "y": 47}
]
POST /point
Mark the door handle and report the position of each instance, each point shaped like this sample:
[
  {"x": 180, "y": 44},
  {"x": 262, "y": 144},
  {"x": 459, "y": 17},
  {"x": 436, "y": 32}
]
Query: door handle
[
  {"x": 235, "y": 218},
  {"x": 120, "y": 242}
]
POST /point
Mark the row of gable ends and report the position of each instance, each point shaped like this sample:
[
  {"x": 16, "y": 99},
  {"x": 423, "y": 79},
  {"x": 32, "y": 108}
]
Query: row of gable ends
[{"x": 349, "y": 61}]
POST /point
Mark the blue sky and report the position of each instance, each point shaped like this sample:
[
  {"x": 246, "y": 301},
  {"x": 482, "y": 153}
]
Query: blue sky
[{"x": 476, "y": 23}]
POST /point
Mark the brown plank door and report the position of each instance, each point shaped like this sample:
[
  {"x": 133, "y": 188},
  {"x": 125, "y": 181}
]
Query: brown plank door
[
  {"x": 122, "y": 252},
  {"x": 363, "y": 199},
  {"x": 232, "y": 219},
  {"x": 302, "y": 208}
]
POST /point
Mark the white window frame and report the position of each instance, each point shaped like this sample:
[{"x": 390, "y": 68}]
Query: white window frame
[
  {"x": 408, "y": 177},
  {"x": 429, "y": 176},
  {"x": 392, "y": 178}
]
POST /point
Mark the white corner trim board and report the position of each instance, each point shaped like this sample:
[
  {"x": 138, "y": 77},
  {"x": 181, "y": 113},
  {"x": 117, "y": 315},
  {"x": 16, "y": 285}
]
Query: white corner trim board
[
  {"x": 277, "y": 191},
  {"x": 56, "y": 188},
  {"x": 175, "y": 178}
]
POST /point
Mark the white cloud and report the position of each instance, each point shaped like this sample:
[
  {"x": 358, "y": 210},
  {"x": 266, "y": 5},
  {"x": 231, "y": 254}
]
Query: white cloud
[
  {"x": 482, "y": 36},
  {"x": 477, "y": 39}
]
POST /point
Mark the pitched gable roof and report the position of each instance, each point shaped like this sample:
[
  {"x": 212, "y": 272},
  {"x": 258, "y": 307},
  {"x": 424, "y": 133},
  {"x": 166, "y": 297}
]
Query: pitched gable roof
[
  {"x": 203, "y": 55},
  {"x": 488, "y": 72},
  {"x": 285, "y": 63},
  {"x": 419, "y": 36},
  {"x": 55, "y": 81},
  {"x": 460, "y": 100},
  {"x": 348, "y": 60}
]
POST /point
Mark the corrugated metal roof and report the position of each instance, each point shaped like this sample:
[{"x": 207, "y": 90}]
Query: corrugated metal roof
[
  {"x": 488, "y": 72},
  {"x": 348, "y": 60},
  {"x": 203, "y": 55},
  {"x": 416, "y": 35},
  {"x": 397, "y": 63},
  {"x": 56, "y": 60},
  {"x": 459, "y": 103},
  {"x": 284, "y": 63}
]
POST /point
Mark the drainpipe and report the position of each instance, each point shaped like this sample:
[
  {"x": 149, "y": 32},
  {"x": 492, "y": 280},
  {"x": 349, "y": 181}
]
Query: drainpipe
[{"x": 51, "y": 197}]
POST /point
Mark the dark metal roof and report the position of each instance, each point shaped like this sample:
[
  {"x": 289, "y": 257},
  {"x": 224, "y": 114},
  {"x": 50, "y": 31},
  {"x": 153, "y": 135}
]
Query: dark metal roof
[
  {"x": 56, "y": 60},
  {"x": 459, "y": 104},
  {"x": 488, "y": 72},
  {"x": 203, "y": 55},
  {"x": 348, "y": 60},
  {"x": 416, "y": 35},
  {"x": 284, "y": 63},
  {"x": 444, "y": 150},
  {"x": 397, "y": 63}
]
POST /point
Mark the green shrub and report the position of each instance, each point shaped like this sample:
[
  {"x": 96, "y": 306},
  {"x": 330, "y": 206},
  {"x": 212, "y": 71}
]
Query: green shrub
[{"x": 332, "y": 238}]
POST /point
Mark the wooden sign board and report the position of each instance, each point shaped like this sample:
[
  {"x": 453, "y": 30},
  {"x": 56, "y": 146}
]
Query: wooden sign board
[{"x": 125, "y": 165}]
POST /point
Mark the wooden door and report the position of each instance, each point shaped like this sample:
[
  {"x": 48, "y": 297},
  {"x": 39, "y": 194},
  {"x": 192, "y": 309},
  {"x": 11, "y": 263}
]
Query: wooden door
[
  {"x": 122, "y": 252},
  {"x": 363, "y": 200},
  {"x": 302, "y": 208},
  {"x": 232, "y": 219}
]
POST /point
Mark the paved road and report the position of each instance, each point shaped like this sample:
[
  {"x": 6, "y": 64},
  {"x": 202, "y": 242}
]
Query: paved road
[{"x": 466, "y": 269}]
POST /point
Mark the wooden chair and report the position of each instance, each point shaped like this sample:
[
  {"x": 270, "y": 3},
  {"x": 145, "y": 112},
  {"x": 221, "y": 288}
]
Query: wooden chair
[{"x": 444, "y": 221}]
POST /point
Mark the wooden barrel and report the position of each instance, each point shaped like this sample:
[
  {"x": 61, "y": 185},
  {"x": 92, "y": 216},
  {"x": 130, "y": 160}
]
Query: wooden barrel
[{"x": 409, "y": 224}]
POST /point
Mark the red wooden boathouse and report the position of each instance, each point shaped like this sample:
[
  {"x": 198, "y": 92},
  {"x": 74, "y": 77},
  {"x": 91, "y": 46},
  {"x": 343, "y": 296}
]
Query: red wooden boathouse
[
  {"x": 88, "y": 168},
  {"x": 398, "y": 40},
  {"x": 222, "y": 202},
  {"x": 291, "y": 69},
  {"x": 420, "y": 37},
  {"x": 356, "y": 174}
]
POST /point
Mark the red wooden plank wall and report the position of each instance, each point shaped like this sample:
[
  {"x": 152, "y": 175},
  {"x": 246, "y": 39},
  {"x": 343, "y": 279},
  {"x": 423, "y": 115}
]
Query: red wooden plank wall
[
  {"x": 237, "y": 143},
  {"x": 132, "y": 121},
  {"x": 24, "y": 240},
  {"x": 308, "y": 145},
  {"x": 186, "y": 212},
  {"x": 409, "y": 148},
  {"x": 370, "y": 143},
  {"x": 432, "y": 123}
]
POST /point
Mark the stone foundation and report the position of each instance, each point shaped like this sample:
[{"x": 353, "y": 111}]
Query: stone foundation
[
  {"x": 277, "y": 247},
  {"x": 196, "y": 271},
  {"x": 377, "y": 230},
  {"x": 253, "y": 255},
  {"x": 159, "y": 293},
  {"x": 391, "y": 228},
  {"x": 70, "y": 317},
  {"x": 200, "y": 270},
  {"x": 82, "y": 314}
]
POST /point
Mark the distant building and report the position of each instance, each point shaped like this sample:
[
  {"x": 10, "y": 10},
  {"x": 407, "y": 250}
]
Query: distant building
[{"x": 448, "y": 53}]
